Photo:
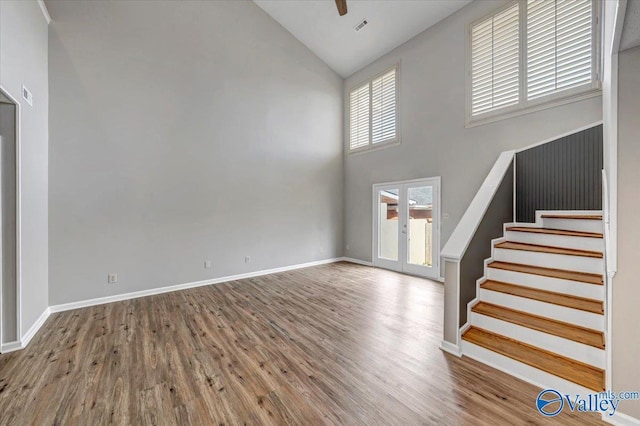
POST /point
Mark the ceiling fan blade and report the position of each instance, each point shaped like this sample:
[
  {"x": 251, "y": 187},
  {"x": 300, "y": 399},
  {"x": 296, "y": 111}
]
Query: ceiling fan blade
[{"x": 342, "y": 7}]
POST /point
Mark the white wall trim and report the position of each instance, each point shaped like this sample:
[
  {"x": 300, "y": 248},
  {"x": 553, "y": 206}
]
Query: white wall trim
[
  {"x": 621, "y": 11},
  {"x": 621, "y": 419},
  {"x": 461, "y": 236},
  {"x": 10, "y": 347},
  {"x": 24, "y": 341},
  {"x": 35, "y": 327},
  {"x": 450, "y": 348},
  {"x": 45, "y": 12},
  {"x": 562, "y": 135}
]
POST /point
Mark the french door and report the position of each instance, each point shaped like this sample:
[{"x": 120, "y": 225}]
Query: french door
[{"x": 406, "y": 222}]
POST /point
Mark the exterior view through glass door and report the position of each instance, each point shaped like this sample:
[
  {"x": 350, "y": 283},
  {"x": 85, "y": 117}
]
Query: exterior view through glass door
[{"x": 407, "y": 227}]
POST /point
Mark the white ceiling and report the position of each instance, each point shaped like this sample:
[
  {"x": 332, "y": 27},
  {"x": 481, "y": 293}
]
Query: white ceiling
[
  {"x": 332, "y": 37},
  {"x": 631, "y": 27}
]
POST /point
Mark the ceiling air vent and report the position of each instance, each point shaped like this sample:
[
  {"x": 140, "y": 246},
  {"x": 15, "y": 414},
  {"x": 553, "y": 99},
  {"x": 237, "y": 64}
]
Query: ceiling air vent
[{"x": 360, "y": 25}]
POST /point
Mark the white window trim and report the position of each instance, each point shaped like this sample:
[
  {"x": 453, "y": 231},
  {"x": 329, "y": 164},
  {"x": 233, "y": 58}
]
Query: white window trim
[
  {"x": 381, "y": 145},
  {"x": 575, "y": 94}
]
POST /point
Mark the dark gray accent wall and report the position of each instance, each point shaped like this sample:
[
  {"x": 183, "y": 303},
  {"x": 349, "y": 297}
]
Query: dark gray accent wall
[
  {"x": 500, "y": 211},
  {"x": 565, "y": 174}
]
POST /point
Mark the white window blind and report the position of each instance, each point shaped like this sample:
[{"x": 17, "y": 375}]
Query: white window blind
[
  {"x": 373, "y": 115},
  {"x": 495, "y": 58},
  {"x": 530, "y": 52},
  {"x": 383, "y": 104},
  {"x": 559, "y": 45},
  {"x": 359, "y": 117}
]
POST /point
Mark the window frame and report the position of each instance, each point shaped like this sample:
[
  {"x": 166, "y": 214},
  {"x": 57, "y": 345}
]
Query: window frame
[
  {"x": 367, "y": 81},
  {"x": 524, "y": 106}
]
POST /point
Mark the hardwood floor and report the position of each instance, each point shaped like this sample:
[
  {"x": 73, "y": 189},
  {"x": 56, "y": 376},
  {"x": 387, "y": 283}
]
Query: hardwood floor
[
  {"x": 562, "y": 274},
  {"x": 333, "y": 344}
]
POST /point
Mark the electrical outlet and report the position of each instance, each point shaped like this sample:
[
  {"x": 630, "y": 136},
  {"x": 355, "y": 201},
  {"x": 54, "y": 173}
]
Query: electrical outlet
[
  {"x": 247, "y": 259},
  {"x": 112, "y": 278},
  {"x": 445, "y": 216},
  {"x": 207, "y": 264},
  {"x": 348, "y": 247},
  {"x": 321, "y": 250}
]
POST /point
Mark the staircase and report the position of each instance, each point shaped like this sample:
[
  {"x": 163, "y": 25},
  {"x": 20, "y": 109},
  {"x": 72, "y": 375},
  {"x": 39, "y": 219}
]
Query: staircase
[{"x": 539, "y": 310}]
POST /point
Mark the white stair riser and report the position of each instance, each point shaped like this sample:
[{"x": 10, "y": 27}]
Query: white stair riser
[
  {"x": 539, "y": 378},
  {"x": 565, "y": 241},
  {"x": 569, "y": 348},
  {"x": 549, "y": 260},
  {"x": 584, "y": 225},
  {"x": 575, "y": 288},
  {"x": 543, "y": 309}
]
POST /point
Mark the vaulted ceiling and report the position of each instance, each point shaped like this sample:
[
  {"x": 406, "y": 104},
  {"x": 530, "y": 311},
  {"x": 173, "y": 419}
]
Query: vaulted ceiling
[
  {"x": 631, "y": 28},
  {"x": 333, "y": 38}
]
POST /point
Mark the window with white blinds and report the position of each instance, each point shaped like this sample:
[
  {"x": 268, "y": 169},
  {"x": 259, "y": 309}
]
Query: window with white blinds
[
  {"x": 559, "y": 45},
  {"x": 373, "y": 112},
  {"x": 495, "y": 54},
  {"x": 360, "y": 101},
  {"x": 529, "y": 52}
]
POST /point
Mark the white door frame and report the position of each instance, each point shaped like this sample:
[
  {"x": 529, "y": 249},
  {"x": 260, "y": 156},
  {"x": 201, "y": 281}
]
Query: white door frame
[{"x": 402, "y": 264}]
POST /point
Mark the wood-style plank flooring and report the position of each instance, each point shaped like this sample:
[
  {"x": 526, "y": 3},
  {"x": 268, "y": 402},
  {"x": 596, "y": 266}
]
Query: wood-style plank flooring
[{"x": 334, "y": 344}]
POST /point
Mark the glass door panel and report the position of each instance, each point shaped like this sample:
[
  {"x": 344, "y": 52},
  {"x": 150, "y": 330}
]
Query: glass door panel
[
  {"x": 420, "y": 226},
  {"x": 388, "y": 223}
]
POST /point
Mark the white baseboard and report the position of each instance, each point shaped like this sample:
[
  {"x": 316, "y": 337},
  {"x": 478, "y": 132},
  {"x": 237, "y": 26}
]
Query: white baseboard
[
  {"x": 35, "y": 327},
  {"x": 621, "y": 419},
  {"x": 136, "y": 294},
  {"x": 10, "y": 347},
  {"x": 450, "y": 348},
  {"x": 356, "y": 261},
  {"x": 24, "y": 341}
]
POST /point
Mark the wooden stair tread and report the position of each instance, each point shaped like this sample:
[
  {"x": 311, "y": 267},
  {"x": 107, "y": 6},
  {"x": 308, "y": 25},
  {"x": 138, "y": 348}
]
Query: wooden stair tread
[
  {"x": 548, "y": 249},
  {"x": 560, "y": 299},
  {"x": 583, "y": 277},
  {"x": 555, "y": 232},
  {"x": 573, "y": 216},
  {"x": 574, "y": 371},
  {"x": 546, "y": 325}
]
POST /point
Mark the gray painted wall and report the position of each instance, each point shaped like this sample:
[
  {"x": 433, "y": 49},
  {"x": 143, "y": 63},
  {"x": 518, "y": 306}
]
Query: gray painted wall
[
  {"x": 435, "y": 141},
  {"x": 8, "y": 205},
  {"x": 626, "y": 285},
  {"x": 499, "y": 212},
  {"x": 24, "y": 56},
  {"x": 185, "y": 131}
]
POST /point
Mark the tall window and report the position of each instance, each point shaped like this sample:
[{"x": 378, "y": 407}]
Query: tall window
[
  {"x": 373, "y": 113},
  {"x": 530, "y": 52}
]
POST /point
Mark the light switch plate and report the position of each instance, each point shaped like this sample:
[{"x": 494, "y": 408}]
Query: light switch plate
[{"x": 27, "y": 96}]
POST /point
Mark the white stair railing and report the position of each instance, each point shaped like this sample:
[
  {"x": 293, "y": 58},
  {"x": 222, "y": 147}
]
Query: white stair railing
[{"x": 456, "y": 247}]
